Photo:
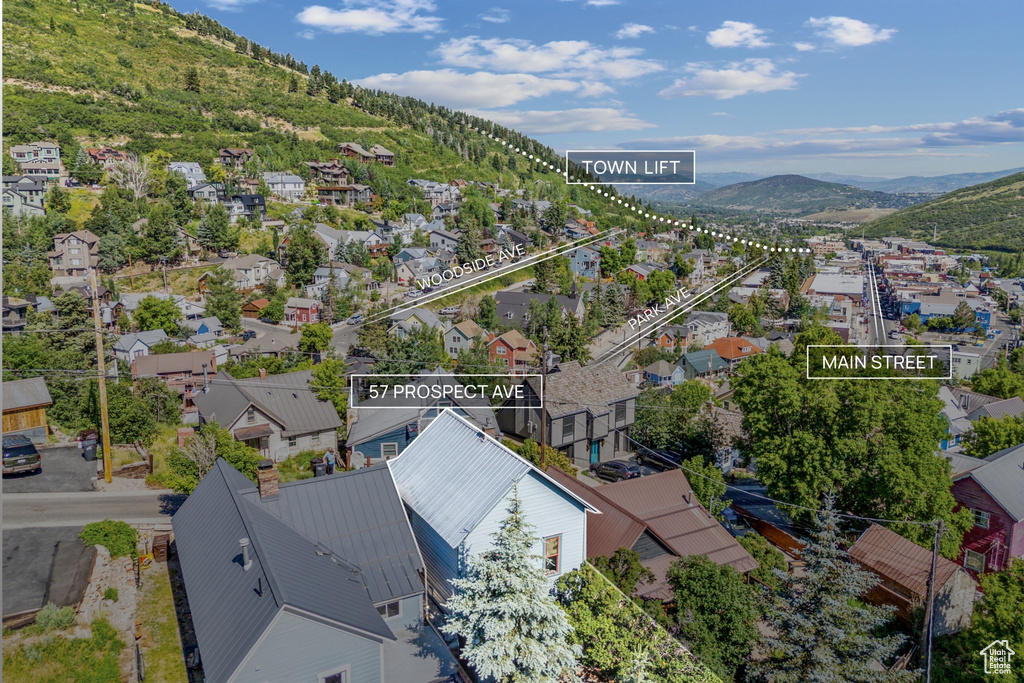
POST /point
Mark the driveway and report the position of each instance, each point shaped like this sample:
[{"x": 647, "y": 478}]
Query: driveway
[
  {"x": 64, "y": 471},
  {"x": 25, "y": 510},
  {"x": 34, "y": 570}
]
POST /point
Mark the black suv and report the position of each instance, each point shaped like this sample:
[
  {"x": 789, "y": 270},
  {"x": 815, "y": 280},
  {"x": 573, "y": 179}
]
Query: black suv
[
  {"x": 20, "y": 455},
  {"x": 658, "y": 461},
  {"x": 615, "y": 470}
]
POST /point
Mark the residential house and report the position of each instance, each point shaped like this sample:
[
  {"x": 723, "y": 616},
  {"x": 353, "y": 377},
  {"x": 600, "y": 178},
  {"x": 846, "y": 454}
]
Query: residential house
[
  {"x": 957, "y": 423},
  {"x": 442, "y": 239},
  {"x": 301, "y": 310},
  {"x": 383, "y": 155},
  {"x": 408, "y": 272},
  {"x": 992, "y": 492},
  {"x": 671, "y": 338},
  {"x": 330, "y": 172},
  {"x": 275, "y": 343},
  {"x": 189, "y": 310},
  {"x": 32, "y": 151},
  {"x": 649, "y": 250},
  {"x": 585, "y": 262},
  {"x": 107, "y": 157},
  {"x": 643, "y": 271},
  {"x": 733, "y": 350},
  {"x": 209, "y": 193},
  {"x": 279, "y": 416},
  {"x": 192, "y": 171},
  {"x": 15, "y": 313},
  {"x": 251, "y": 206},
  {"x": 411, "y": 254},
  {"x": 209, "y": 325},
  {"x": 588, "y": 410},
  {"x": 381, "y": 428},
  {"x": 513, "y": 307},
  {"x": 24, "y": 196},
  {"x": 659, "y": 518},
  {"x": 507, "y": 237},
  {"x": 444, "y": 210},
  {"x": 74, "y": 253},
  {"x": 344, "y": 195},
  {"x": 24, "y": 408},
  {"x": 1013, "y": 407},
  {"x": 44, "y": 170},
  {"x": 128, "y": 347},
  {"x": 904, "y": 568},
  {"x": 287, "y": 186},
  {"x": 235, "y": 158},
  {"x": 461, "y": 336},
  {"x": 702, "y": 262},
  {"x": 322, "y": 276},
  {"x": 434, "y": 192},
  {"x": 276, "y": 594},
  {"x": 403, "y": 322},
  {"x": 663, "y": 373},
  {"x": 250, "y": 272},
  {"x": 513, "y": 351},
  {"x": 184, "y": 373},
  {"x": 254, "y": 309},
  {"x": 354, "y": 150},
  {"x": 456, "y": 483},
  {"x": 965, "y": 364}
]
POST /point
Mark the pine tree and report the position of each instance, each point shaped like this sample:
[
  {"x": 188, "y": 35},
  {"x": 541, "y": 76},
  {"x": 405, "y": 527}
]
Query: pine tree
[
  {"x": 514, "y": 629},
  {"x": 223, "y": 301},
  {"x": 825, "y": 635},
  {"x": 328, "y": 308},
  {"x": 192, "y": 79},
  {"x": 293, "y": 83}
]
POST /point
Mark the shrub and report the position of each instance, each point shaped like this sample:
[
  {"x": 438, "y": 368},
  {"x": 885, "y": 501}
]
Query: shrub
[
  {"x": 117, "y": 537},
  {"x": 52, "y": 617},
  {"x": 110, "y": 594},
  {"x": 125, "y": 61}
]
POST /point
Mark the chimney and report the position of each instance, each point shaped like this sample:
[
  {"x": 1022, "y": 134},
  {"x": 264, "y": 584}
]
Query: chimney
[
  {"x": 266, "y": 476},
  {"x": 246, "y": 560},
  {"x": 263, "y": 373}
]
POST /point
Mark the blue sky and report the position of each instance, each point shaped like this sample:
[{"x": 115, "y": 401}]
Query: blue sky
[{"x": 871, "y": 88}]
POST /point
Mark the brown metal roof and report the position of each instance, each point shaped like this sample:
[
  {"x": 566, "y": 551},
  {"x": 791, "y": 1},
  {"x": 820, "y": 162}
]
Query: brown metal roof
[
  {"x": 656, "y": 503},
  {"x": 165, "y": 363},
  {"x": 899, "y": 560}
]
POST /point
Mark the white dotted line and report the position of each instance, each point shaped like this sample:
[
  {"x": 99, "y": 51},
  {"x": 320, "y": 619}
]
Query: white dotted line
[{"x": 662, "y": 219}]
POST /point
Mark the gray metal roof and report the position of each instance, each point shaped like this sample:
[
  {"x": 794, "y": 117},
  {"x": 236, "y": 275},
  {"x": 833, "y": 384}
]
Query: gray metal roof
[
  {"x": 1002, "y": 477},
  {"x": 287, "y": 398},
  {"x": 149, "y": 338},
  {"x": 373, "y": 423},
  {"x": 25, "y": 393},
  {"x": 453, "y": 474},
  {"x": 228, "y": 613},
  {"x": 360, "y": 517}
]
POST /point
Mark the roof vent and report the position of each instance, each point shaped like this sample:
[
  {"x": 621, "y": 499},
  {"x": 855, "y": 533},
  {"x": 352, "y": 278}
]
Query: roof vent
[
  {"x": 246, "y": 559},
  {"x": 480, "y": 435}
]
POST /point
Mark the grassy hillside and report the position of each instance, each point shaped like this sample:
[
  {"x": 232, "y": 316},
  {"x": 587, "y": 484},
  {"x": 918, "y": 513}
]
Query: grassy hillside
[
  {"x": 113, "y": 73},
  {"x": 987, "y": 216},
  {"x": 797, "y": 196}
]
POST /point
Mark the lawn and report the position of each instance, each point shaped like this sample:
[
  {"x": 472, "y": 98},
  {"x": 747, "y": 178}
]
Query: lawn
[
  {"x": 59, "y": 658},
  {"x": 183, "y": 281},
  {"x": 297, "y": 467},
  {"x": 82, "y": 203},
  {"x": 488, "y": 286},
  {"x": 162, "y": 649}
]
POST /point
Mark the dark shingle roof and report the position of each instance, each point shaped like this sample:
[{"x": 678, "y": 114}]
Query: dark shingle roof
[
  {"x": 227, "y": 611},
  {"x": 359, "y": 516},
  {"x": 574, "y": 388}
]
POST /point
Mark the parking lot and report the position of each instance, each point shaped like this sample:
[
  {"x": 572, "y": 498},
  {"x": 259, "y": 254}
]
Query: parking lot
[{"x": 64, "y": 471}]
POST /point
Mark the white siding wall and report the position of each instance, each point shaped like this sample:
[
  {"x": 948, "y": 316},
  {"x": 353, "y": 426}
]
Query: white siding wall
[
  {"x": 278, "y": 446},
  {"x": 298, "y": 649},
  {"x": 550, "y": 512}
]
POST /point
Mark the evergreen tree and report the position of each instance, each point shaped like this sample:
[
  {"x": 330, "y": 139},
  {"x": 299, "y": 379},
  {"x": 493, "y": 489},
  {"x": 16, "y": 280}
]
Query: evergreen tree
[
  {"x": 305, "y": 254},
  {"x": 192, "y": 79},
  {"x": 328, "y": 309},
  {"x": 468, "y": 247},
  {"x": 825, "y": 634},
  {"x": 486, "y": 316},
  {"x": 223, "y": 301},
  {"x": 570, "y": 342},
  {"x": 293, "y": 83},
  {"x": 614, "y": 308},
  {"x": 215, "y": 232},
  {"x": 156, "y": 313},
  {"x": 160, "y": 235},
  {"x": 514, "y": 629}
]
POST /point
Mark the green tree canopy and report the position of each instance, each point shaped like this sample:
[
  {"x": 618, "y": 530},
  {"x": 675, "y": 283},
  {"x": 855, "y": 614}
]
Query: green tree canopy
[
  {"x": 223, "y": 301},
  {"x": 155, "y": 313},
  {"x": 316, "y": 337}
]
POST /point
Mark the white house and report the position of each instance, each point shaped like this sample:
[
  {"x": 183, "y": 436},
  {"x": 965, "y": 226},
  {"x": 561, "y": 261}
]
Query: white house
[
  {"x": 457, "y": 482},
  {"x": 191, "y": 170},
  {"x": 285, "y": 185},
  {"x": 128, "y": 347}
]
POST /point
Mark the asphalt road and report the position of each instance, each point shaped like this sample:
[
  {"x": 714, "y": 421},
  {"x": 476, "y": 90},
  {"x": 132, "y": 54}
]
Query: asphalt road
[
  {"x": 64, "y": 471},
  {"x": 27, "y": 510}
]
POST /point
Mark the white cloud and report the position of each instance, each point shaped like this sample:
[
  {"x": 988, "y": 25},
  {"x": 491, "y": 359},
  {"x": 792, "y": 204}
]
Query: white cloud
[
  {"x": 847, "y": 32},
  {"x": 737, "y": 34},
  {"x": 632, "y": 30},
  {"x": 565, "y": 58},
  {"x": 602, "y": 3},
  {"x": 496, "y": 15},
  {"x": 739, "y": 78},
  {"x": 308, "y": 34},
  {"x": 228, "y": 5},
  {"x": 804, "y": 47},
  {"x": 594, "y": 120},
  {"x": 362, "y": 16},
  {"x": 721, "y": 113},
  {"x": 475, "y": 90}
]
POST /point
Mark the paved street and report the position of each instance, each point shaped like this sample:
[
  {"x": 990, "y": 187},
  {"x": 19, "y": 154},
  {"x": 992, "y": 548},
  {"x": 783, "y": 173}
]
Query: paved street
[
  {"x": 24, "y": 510},
  {"x": 64, "y": 470}
]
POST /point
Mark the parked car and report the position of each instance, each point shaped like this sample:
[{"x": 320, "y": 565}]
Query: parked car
[
  {"x": 450, "y": 310},
  {"x": 20, "y": 455},
  {"x": 657, "y": 461},
  {"x": 247, "y": 335},
  {"x": 615, "y": 470},
  {"x": 736, "y": 525},
  {"x": 355, "y": 320},
  {"x": 413, "y": 294}
]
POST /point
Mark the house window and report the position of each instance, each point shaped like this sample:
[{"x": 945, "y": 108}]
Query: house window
[
  {"x": 981, "y": 518},
  {"x": 620, "y": 412},
  {"x": 292, "y": 441},
  {"x": 568, "y": 426},
  {"x": 388, "y": 450},
  {"x": 391, "y": 609},
  {"x": 337, "y": 677},
  {"x": 500, "y": 350},
  {"x": 452, "y": 350},
  {"x": 250, "y": 416},
  {"x": 975, "y": 561},
  {"x": 315, "y": 438},
  {"x": 552, "y": 546}
]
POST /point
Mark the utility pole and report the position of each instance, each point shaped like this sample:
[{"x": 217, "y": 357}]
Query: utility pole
[
  {"x": 163, "y": 261},
  {"x": 543, "y": 388},
  {"x": 101, "y": 372},
  {"x": 929, "y": 614}
]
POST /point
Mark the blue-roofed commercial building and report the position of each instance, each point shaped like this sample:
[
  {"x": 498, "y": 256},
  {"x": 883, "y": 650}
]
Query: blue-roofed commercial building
[
  {"x": 457, "y": 482},
  {"x": 318, "y": 580}
]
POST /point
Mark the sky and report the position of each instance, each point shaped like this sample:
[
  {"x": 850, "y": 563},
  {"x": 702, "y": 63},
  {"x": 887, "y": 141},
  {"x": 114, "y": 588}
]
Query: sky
[{"x": 863, "y": 88}]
